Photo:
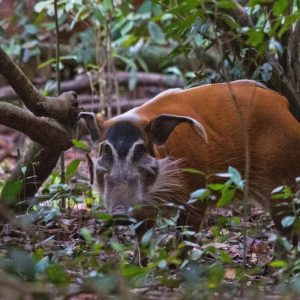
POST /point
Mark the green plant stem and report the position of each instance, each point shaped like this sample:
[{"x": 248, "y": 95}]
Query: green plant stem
[{"x": 62, "y": 157}]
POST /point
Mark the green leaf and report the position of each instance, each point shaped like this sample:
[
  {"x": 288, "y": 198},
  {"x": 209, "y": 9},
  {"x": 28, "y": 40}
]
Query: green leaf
[
  {"x": 200, "y": 194},
  {"x": 236, "y": 177},
  {"x": 128, "y": 26},
  {"x": 193, "y": 171},
  {"x": 255, "y": 37},
  {"x": 11, "y": 191},
  {"x": 145, "y": 8},
  {"x": 216, "y": 186},
  {"x": 103, "y": 216},
  {"x": 80, "y": 144},
  {"x": 136, "y": 274},
  {"x": 284, "y": 192},
  {"x": 279, "y": 7},
  {"x": 86, "y": 234},
  {"x": 226, "y": 197},
  {"x": 72, "y": 168},
  {"x": 278, "y": 264},
  {"x": 288, "y": 221},
  {"x": 42, "y": 265},
  {"x": 98, "y": 14},
  {"x": 58, "y": 275},
  {"x": 289, "y": 21},
  {"x": 117, "y": 246},
  {"x": 146, "y": 239},
  {"x": 227, "y": 4},
  {"x": 156, "y": 33}
]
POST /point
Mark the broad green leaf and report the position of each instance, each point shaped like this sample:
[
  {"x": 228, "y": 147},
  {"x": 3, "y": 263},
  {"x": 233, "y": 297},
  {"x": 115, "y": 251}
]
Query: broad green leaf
[
  {"x": 226, "y": 197},
  {"x": 72, "y": 168},
  {"x": 128, "y": 26},
  {"x": 255, "y": 37},
  {"x": 156, "y": 33},
  {"x": 11, "y": 190},
  {"x": 279, "y": 7},
  {"x": 285, "y": 193}
]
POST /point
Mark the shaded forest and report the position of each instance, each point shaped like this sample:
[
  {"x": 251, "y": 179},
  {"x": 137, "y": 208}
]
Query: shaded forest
[{"x": 59, "y": 59}]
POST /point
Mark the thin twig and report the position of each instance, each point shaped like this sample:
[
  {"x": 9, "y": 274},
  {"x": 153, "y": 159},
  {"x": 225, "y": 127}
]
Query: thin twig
[{"x": 62, "y": 157}]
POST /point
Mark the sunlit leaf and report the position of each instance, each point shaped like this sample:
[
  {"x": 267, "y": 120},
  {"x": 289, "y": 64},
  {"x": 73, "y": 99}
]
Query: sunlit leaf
[
  {"x": 288, "y": 221},
  {"x": 80, "y": 144},
  {"x": 278, "y": 264}
]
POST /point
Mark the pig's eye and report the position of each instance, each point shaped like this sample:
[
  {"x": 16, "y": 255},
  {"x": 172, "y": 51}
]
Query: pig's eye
[{"x": 139, "y": 151}]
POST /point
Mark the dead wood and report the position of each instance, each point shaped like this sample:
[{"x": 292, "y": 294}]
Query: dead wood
[
  {"x": 83, "y": 82},
  {"x": 50, "y": 124}
]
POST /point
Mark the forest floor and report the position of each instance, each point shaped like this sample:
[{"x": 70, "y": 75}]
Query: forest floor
[{"x": 62, "y": 239}]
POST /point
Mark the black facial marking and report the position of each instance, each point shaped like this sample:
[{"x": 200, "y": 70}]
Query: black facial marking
[
  {"x": 122, "y": 136},
  {"x": 139, "y": 151}
]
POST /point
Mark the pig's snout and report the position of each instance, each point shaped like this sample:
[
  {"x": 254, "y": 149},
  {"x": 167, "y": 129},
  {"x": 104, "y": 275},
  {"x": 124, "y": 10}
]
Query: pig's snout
[
  {"x": 119, "y": 210},
  {"x": 121, "y": 216}
]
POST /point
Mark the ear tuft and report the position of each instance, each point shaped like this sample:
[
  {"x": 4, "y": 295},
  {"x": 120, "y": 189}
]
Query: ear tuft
[
  {"x": 161, "y": 127},
  {"x": 92, "y": 124}
]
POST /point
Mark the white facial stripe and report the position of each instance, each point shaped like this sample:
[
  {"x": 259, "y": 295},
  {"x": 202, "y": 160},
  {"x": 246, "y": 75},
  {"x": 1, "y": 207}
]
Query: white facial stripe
[
  {"x": 114, "y": 152},
  {"x": 130, "y": 153}
]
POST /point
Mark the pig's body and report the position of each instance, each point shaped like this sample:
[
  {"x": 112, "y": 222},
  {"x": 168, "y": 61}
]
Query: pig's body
[{"x": 202, "y": 128}]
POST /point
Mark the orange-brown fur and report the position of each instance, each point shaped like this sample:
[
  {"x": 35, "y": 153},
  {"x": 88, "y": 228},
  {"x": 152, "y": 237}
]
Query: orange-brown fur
[{"x": 274, "y": 136}]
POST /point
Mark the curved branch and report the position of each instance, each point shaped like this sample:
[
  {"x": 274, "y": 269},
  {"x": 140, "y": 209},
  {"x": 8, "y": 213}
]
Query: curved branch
[
  {"x": 41, "y": 130},
  {"x": 41, "y": 106},
  {"x": 21, "y": 84}
]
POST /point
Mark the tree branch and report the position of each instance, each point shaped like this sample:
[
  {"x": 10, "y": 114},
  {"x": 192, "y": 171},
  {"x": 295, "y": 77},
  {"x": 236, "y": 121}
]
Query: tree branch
[
  {"x": 41, "y": 106},
  {"x": 20, "y": 83},
  {"x": 35, "y": 127}
]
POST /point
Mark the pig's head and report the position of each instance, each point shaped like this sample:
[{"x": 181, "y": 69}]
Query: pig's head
[{"x": 126, "y": 168}]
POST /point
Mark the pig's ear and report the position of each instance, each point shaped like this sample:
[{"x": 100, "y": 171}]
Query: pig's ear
[
  {"x": 95, "y": 124},
  {"x": 161, "y": 127},
  {"x": 91, "y": 168}
]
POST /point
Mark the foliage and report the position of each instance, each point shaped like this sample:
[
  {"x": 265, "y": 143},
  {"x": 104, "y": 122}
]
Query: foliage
[{"x": 221, "y": 47}]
